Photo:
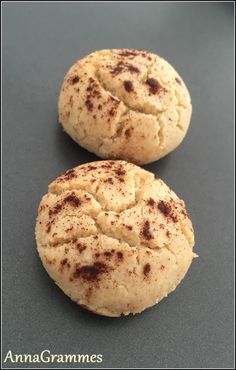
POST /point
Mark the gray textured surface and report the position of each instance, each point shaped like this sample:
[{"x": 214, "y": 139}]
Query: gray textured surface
[{"x": 193, "y": 327}]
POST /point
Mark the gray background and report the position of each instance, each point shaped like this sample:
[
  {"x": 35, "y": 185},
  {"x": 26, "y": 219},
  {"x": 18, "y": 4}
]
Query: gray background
[{"x": 193, "y": 327}]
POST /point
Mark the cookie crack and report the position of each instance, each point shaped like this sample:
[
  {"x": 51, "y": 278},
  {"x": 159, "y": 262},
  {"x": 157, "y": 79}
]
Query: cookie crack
[
  {"x": 73, "y": 187},
  {"x": 121, "y": 124},
  {"x": 93, "y": 194},
  {"x": 171, "y": 251},
  {"x": 70, "y": 239},
  {"x": 136, "y": 203},
  {"x": 186, "y": 236},
  {"x": 127, "y": 106}
]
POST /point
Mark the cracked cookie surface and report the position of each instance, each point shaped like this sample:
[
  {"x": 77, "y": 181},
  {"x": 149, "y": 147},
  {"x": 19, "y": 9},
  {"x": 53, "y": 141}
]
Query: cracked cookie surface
[
  {"x": 125, "y": 103},
  {"x": 113, "y": 237}
]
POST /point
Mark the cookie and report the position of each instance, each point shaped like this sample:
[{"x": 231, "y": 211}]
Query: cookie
[
  {"x": 113, "y": 237},
  {"x": 125, "y": 104}
]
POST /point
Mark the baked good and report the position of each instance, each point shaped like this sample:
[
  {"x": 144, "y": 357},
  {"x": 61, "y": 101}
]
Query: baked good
[
  {"x": 125, "y": 104},
  {"x": 113, "y": 237}
]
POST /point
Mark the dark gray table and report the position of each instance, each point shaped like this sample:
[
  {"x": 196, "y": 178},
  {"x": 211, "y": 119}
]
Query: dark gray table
[{"x": 193, "y": 327}]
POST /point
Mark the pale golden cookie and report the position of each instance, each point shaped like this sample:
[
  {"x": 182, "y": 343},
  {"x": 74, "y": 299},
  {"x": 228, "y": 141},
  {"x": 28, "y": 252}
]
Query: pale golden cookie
[
  {"x": 126, "y": 104},
  {"x": 113, "y": 238}
]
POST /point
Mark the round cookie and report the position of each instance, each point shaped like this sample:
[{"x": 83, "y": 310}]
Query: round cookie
[
  {"x": 125, "y": 104},
  {"x": 114, "y": 238}
]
